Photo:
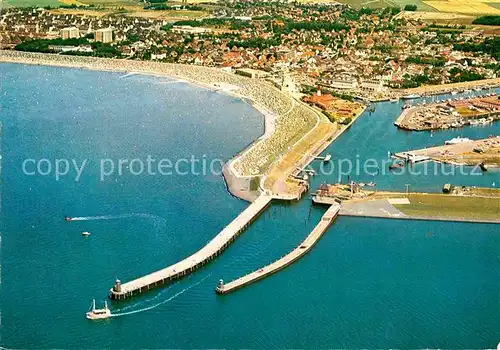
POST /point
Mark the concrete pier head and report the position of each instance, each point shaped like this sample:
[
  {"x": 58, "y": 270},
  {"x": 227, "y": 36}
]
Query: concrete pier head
[
  {"x": 327, "y": 219},
  {"x": 195, "y": 261}
]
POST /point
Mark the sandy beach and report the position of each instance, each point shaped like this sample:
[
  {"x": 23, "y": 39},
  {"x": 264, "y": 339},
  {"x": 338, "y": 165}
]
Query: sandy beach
[{"x": 286, "y": 120}]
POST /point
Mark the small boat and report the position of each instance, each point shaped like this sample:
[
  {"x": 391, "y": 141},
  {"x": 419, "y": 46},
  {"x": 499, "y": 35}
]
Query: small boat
[
  {"x": 394, "y": 100},
  {"x": 67, "y": 218},
  {"x": 361, "y": 184},
  {"x": 98, "y": 314},
  {"x": 457, "y": 140},
  {"x": 454, "y": 92},
  {"x": 371, "y": 184},
  {"x": 411, "y": 96},
  {"x": 85, "y": 233},
  {"x": 483, "y": 167},
  {"x": 328, "y": 157},
  {"x": 397, "y": 165}
]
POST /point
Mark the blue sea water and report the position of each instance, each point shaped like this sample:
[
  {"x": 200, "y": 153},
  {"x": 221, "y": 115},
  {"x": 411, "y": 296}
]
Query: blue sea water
[
  {"x": 368, "y": 283},
  {"x": 367, "y": 145}
]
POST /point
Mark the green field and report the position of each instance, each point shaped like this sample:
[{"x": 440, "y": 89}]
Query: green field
[
  {"x": 449, "y": 206},
  {"x": 494, "y": 4},
  {"x": 384, "y": 3},
  {"x": 111, "y": 2},
  {"x": 25, "y": 3}
]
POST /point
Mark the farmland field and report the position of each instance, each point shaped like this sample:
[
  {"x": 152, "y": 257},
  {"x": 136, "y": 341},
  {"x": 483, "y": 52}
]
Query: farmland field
[
  {"x": 474, "y": 7},
  {"x": 378, "y": 3},
  {"x": 440, "y": 17},
  {"x": 470, "y": 7},
  {"x": 24, "y": 3}
]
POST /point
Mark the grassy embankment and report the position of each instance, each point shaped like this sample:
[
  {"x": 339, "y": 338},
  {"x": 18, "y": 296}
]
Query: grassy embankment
[
  {"x": 281, "y": 171},
  {"x": 278, "y": 178},
  {"x": 490, "y": 156},
  {"x": 449, "y": 206}
]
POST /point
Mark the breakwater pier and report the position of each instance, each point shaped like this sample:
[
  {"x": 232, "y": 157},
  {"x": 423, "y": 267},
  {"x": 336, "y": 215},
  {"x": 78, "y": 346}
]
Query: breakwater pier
[
  {"x": 206, "y": 254},
  {"x": 327, "y": 219}
]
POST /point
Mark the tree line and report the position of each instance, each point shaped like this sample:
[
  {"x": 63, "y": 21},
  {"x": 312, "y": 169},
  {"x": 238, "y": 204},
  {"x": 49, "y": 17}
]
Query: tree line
[{"x": 490, "y": 20}]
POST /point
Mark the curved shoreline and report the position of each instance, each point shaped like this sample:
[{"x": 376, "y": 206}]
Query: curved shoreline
[{"x": 204, "y": 77}]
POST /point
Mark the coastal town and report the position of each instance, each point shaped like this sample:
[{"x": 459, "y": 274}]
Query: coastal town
[
  {"x": 314, "y": 72},
  {"x": 351, "y": 52}
]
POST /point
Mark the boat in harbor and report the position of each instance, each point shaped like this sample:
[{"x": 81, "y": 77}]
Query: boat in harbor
[
  {"x": 371, "y": 184},
  {"x": 98, "y": 314},
  {"x": 394, "y": 100},
  {"x": 481, "y": 121},
  {"x": 457, "y": 140},
  {"x": 411, "y": 96},
  {"x": 396, "y": 165}
]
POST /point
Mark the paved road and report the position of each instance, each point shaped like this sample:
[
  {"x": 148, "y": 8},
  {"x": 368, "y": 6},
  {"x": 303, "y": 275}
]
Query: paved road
[{"x": 376, "y": 208}]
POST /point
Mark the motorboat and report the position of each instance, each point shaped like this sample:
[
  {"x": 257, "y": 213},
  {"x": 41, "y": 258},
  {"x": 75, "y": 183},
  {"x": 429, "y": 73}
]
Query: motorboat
[
  {"x": 411, "y": 96},
  {"x": 457, "y": 140},
  {"x": 85, "y": 233},
  {"x": 98, "y": 314}
]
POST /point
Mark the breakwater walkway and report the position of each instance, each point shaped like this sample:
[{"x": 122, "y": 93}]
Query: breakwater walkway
[
  {"x": 198, "y": 259},
  {"x": 288, "y": 259}
]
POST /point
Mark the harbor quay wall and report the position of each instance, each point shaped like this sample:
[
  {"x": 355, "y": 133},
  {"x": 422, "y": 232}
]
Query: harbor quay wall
[
  {"x": 206, "y": 254},
  {"x": 325, "y": 222},
  {"x": 429, "y": 90}
]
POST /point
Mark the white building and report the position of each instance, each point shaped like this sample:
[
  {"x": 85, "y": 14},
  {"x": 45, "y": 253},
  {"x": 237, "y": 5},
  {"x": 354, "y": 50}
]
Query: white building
[
  {"x": 190, "y": 30},
  {"x": 66, "y": 48},
  {"x": 344, "y": 83},
  {"x": 70, "y": 33},
  {"x": 104, "y": 35},
  {"x": 373, "y": 85},
  {"x": 158, "y": 56},
  {"x": 288, "y": 83}
]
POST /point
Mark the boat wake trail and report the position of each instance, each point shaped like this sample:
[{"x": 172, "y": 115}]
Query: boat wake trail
[
  {"x": 146, "y": 301},
  {"x": 113, "y": 217},
  {"x": 160, "y": 303},
  {"x": 128, "y": 75}
]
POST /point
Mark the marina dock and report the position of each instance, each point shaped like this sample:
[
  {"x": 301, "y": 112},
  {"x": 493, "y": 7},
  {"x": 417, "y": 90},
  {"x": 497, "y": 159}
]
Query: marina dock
[
  {"x": 198, "y": 259},
  {"x": 327, "y": 219},
  {"x": 465, "y": 151}
]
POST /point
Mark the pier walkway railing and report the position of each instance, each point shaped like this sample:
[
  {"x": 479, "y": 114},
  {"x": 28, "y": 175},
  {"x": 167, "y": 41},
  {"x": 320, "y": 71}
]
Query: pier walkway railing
[
  {"x": 288, "y": 259},
  {"x": 198, "y": 259}
]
